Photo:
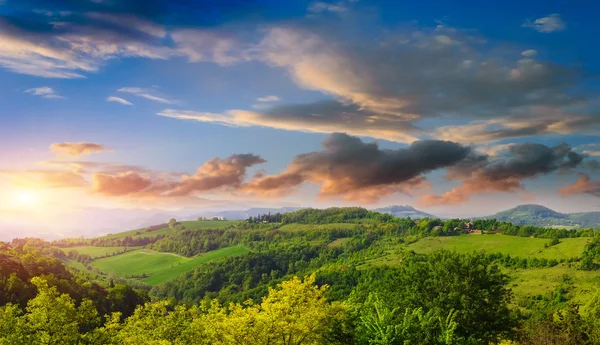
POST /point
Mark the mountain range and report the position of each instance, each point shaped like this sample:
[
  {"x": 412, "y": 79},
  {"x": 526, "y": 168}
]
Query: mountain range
[
  {"x": 404, "y": 211},
  {"x": 539, "y": 215}
]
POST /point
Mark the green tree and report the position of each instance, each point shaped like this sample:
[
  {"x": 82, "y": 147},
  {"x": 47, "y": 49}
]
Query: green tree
[
  {"x": 380, "y": 325},
  {"x": 445, "y": 281},
  {"x": 295, "y": 313}
]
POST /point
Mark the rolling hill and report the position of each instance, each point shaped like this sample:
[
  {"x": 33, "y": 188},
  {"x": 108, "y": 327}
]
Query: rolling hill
[
  {"x": 539, "y": 215},
  {"x": 404, "y": 211}
]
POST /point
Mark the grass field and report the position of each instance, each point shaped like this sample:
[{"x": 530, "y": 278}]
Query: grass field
[
  {"x": 524, "y": 282},
  {"x": 339, "y": 242},
  {"x": 189, "y": 224},
  {"x": 538, "y": 281},
  {"x": 95, "y": 252},
  {"x": 332, "y": 226},
  {"x": 160, "y": 267},
  {"x": 524, "y": 247},
  {"x": 74, "y": 264}
]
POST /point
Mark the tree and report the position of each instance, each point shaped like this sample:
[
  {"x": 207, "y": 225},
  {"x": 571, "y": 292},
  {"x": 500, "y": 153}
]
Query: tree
[
  {"x": 50, "y": 318},
  {"x": 380, "y": 325},
  {"x": 295, "y": 313},
  {"x": 446, "y": 281},
  {"x": 172, "y": 223}
]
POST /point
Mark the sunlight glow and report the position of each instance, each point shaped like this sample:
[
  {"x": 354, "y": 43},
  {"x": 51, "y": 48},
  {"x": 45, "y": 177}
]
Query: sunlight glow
[{"x": 26, "y": 198}]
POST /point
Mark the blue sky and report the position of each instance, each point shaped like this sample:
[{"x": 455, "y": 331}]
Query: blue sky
[{"x": 475, "y": 107}]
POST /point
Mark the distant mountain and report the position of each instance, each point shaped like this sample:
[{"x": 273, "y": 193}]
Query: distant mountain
[
  {"x": 404, "y": 211},
  {"x": 539, "y": 215}
]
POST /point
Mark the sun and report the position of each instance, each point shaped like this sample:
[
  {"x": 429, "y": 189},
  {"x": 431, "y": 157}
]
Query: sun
[{"x": 26, "y": 198}]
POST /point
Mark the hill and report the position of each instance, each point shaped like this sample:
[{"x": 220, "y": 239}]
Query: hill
[
  {"x": 155, "y": 267},
  {"x": 163, "y": 229},
  {"x": 404, "y": 211},
  {"x": 539, "y": 215}
]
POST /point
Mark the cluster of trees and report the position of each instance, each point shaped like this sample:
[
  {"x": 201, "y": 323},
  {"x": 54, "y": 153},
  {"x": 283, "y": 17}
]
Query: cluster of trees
[
  {"x": 20, "y": 265},
  {"x": 590, "y": 259},
  {"x": 266, "y": 218},
  {"x": 194, "y": 242},
  {"x": 242, "y": 277},
  {"x": 334, "y": 215},
  {"x": 506, "y": 228},
  {"x": 443, "y": 298}
]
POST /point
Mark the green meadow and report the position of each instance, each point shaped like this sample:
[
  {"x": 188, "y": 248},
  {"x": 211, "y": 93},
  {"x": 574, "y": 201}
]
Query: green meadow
[
  {"x": 95, "y": 252},
  {"x": 189, "y": 224},
  {"x": 522, "y": 247},
  {"x": 159, "y": 267}
]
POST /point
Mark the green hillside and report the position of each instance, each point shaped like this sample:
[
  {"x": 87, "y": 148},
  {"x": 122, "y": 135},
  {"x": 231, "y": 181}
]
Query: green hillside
[
  {"x": 188, "y": 224},
  {"x": 523, "y": 247},
  {"x": 538, "y": 215},
  {"x": 95, "y": 252},
  {"x": 159, "y": 267}
]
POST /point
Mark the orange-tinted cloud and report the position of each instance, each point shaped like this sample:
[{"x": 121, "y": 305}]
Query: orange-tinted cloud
[
  {"x": 359, "y": 171},
  {"x": 120, "y": 184},
  {"x": 217, "y": 173},
  {"x": 73, "y": 149},
  {"x": 214, "y": 174},
  {"x": 583, "y": 185},
  {"x": 482, "y": 174}
]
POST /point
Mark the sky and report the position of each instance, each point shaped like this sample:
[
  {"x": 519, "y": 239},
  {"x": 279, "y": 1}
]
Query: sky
[{"x": 459, "y": 108}]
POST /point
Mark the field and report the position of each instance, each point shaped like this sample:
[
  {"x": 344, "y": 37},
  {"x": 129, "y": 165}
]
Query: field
[
  {"x": 339, "y": 242},
  {"x": 538, "y": 281},
  {"x": 95, "y": 252},
  {"x": 159, "y": 267},
  {"x": 524, "y": 282},
  {"x": 523, "y": 247},
  {"x": 189, "y": 224}
]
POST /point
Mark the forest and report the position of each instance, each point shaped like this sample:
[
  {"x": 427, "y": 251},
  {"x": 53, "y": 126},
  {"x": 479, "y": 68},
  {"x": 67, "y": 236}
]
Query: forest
[{"x": 334, "y": 276}]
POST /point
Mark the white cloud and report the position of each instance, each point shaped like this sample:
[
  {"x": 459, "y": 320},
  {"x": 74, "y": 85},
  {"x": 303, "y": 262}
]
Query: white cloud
[
  {"x": 547, "y": 24},
  {"x": 144, "y": 93},
  {"x": 443, "y": 39},
  {"x": 346, "y": 119},
  {"x": 118, "y": 100},
  {"x": 45, "y": 92},
  {"x": 320, "y": 6},
  {"x": 270, "y": 98},
  {"x": 529, "y": 53}
]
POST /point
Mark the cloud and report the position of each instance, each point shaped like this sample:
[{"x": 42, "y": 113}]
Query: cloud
[
  {"x": 76, "y": 149},
  {"x": 118, "y": 100},
  {"x": 505, "y": 173},
  {"x": 392, "y": 86},
  {"x": 45, "y": 178},
  {"x": 529, "y": 53},
  {"x": 270, "y": 98},
  {"x": 120, "y": 184},
  {"x": 592, "y": 153},
  {"x": 45, "y": 92},
  {"x": 320, "y": 6},
  {"x": 55, "y": 43},
  {"x": 209, "y": 46},
  {"x": 215, "y": 174},
  {"x": 144, "y": 93},
  {"x": 583, "y": 185},
  {"x": 320, "y": 117},
  {"x": 361, "y": 171},
  {"x": 539, "y": 121},
  {"x": 547, "y": 24},
  {"x": 69, "y": 46}
]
